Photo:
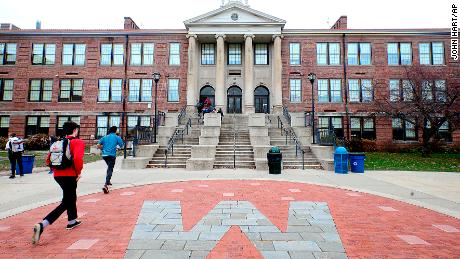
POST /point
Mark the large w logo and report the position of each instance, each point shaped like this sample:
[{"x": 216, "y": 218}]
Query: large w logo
[{"x": 310, "y": 232}]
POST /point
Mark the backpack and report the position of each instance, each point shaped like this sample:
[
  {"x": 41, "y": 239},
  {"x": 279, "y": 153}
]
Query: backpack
[
  {"x": 60, "y": 157},
  {"x": 15, "y": 147}
]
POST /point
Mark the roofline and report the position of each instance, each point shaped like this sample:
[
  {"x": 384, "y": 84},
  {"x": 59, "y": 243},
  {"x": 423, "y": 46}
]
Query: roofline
[
  {"x": 80, "y": 33},
  {"x": 433, "y": 32}
]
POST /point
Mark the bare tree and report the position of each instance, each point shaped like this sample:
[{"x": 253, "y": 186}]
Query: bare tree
[{"x": 426, "y": 97}]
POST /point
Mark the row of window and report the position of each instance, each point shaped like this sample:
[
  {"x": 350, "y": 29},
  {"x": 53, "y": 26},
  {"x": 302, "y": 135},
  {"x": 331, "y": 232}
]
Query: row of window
[
  {"x": 327, "y": 53},
  {"x": 71, "y": 90},
  {"x": 362, "y": 90},
  {"x": 359, "y": 53}
]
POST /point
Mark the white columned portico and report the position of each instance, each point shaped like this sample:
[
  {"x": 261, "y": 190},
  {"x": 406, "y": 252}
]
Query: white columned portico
[
  {"x": 277, "y": 74},
  {"x": 192, "y": 74},
  {"x": 248, "y": 74},
  {"x": 220, "y": 72}
]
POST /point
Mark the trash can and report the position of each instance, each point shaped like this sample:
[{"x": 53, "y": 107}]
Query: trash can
[
  {"x": 274, "y": 158},
  {"x": 341, "y": 160},
  {"x": 357, "y": 162},
  {"x": 27, "y": 164}
]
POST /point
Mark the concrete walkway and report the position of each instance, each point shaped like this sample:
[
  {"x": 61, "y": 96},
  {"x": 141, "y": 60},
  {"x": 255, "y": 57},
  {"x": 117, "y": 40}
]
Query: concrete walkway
[{"x": 432, "y": 190}]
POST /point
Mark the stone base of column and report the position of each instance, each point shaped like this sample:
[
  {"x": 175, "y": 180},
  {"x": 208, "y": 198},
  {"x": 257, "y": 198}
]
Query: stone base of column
[
  {"x": 277, "y": 109},
  {"x": 249, "y": 109},
  {"x": 191, "y": 109}
]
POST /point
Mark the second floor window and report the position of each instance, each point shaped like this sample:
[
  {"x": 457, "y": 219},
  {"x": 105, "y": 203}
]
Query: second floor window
[
  {"x": 439, "y": 90},
  {"x": 104, "y": 123},
  {"x": 71, "y": 90},
  {"x": 142, "y": 54},
  {"x": 207, "y": 54},
  {"x": 401, "y": 90},
  {"x": 60, "y": 122},
  {"x": 329, "y": 90},
  {"x": 174, "y": 54},
  {"x": 73, "y": 54},
  {"x": 110, "y": 90},
  {"x": 41, "y": 90},
  {"x": 360, "y": 90},
  {"x": 43, "y": 54},
  {"x": 7, "y": 53},
  {"x": 37, "y": 125},
  {"x": 362, "y": 127},
  {"x": 294, "y": 53},
  {"x": 295, "y": 90},
  {"x": 403, "y": 130},
  {"x": 112, "y": 54},
  {"x": 173, "y": 90},
  {"x": 431, "y": 53},
  {"x": 399, "y": 54},
  {"x": 140, "y": 90},
  {"x": 261, "y": 54},
  {"x": 359, "y": 54},
  {"x": 328, "y": 53},
  {"x": 234, "y": 54},
  {"x": 6, "y": 89}
]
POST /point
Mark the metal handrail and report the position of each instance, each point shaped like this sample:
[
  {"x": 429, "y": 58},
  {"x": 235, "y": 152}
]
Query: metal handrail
[
  {"x": 286, "y": 114},
  {"x": 234, "y": 140},
  {"x": 182, "y": 113},
  {"x": 289, "y": 133},
  {"x": 307, "y": 118},
  {"x": 178, "y": 132}
]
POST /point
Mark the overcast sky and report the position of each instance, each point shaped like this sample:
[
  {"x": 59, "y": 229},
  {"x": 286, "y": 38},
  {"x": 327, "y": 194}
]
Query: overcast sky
[{"x": 170, "y": 14}]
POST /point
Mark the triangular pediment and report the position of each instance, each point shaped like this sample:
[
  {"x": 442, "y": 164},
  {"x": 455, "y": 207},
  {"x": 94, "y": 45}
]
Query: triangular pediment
[{"x": 234, "y": 13}]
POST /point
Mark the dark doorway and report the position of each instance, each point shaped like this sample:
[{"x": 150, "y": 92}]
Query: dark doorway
[
  {"x": 262, "y": 100},
  {"x": 207, "y": 91},
  {"x": 234, "y": 98}
]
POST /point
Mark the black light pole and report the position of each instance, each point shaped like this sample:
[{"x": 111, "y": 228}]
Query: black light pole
[
  {"x": 312, "y": 78},
  {"x": 156, "y": 78}
]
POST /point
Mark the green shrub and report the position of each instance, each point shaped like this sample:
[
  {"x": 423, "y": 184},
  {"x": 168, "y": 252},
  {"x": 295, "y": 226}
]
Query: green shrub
[
  {"x": 361, "y": 145},
  {"x": 37, "y": 142}
]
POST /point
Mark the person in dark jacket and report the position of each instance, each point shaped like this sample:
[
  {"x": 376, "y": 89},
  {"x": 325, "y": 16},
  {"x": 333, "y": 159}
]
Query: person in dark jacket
[{"x": 15, "y": 148}]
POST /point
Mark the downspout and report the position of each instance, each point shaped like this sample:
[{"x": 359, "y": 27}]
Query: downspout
[
  {"x": 124, "y": 119},
  {"x": 347, "y": 115}
]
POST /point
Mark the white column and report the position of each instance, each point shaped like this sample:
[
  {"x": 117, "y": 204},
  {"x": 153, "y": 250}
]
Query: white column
[
  {"x": 220, "y": 72},
  {"x": 192, "y": 74},
  {"x": 277, "y": 74},
  {"x": 248, "y": 74}
]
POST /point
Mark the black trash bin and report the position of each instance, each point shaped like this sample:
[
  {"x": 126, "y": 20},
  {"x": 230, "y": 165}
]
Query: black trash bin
[{"x": 274, "y": 158}]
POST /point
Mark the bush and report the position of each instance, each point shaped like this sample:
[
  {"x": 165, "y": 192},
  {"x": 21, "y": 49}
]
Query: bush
[
  {"x": 369, "y": 145},
  {"x": 361, "y": 145},
  {"x": 3, "y": 141},
  {"x": 37, "y": 142}
]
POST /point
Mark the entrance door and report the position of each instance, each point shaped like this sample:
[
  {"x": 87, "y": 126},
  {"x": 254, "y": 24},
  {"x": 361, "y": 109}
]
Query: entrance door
[
  {"x": 234, "y": 97},
  {"x": 262, "y": 100},
  {"x": 207, "y": 92}
]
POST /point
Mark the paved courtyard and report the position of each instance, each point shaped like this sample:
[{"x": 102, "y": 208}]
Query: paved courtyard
[{"x": 238, "y": 214}]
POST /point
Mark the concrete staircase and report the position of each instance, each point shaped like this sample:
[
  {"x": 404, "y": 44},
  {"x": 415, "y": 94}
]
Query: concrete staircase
[{"x": 244, "y": 155}]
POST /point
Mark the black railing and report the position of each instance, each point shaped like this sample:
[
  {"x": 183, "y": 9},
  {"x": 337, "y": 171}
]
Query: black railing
[
  {"x": 181, "y": 115},
  {"x": 178, "y": 133},
  {"x": 137, "y": 135},
  {"x": 308, "y": 118},
  {"x": 290, "y": 135},
  {"x": 286, "y": 114}
]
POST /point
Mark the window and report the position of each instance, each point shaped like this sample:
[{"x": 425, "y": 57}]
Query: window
[
  {"x": 234, "y": 54},
  {"x": 71, "y": 90},
  {"x": 40, "y": 90},
  {"x": 4, "y": 126},
  {"x": 140, "y": 90},
  {"x": 174, "y": 54},
  {"x": 104, "y": 123},
  {"x": 6, "y": 89},
  {"x": 329, "y": 90},
  {"x": 362, "y": 128},
  {"x": 359, "y": 53},
  {"x": 133, "y": 121},
  {"x": 399, "y": 54},
  {"x": 7, "y": 53},
  {"x": 328, "y": 53},
  {"x": 295, "y": 90},
  {"x": 43, "y": 54},
  {"x": 261, "y": 54},
  {"x": 401, "y": 90},
  {"x": 112, "y": 54},
  {"x": 208, "y": 54},
  {"x": 294, "y": 53},
  {"x": 37, "y": 125},
  {"x": 110, "y": 90},
  {"x": 439, "y": 90},
  {"x": 331, "y": 123},
  {"x": 403, "y": 130},
  {"x": 431, "y": 53},
  {"x": 360, "y": 90},
  {"x": 444, "y": 132},
  {"x": 142, "y": 54},
  {"x": 173, "y": 90},
  {"x": 73, "y": 54},
  {"x": 60, "y": 122}
]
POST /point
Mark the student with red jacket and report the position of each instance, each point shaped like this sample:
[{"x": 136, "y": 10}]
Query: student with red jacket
[{"x": 67, "y": 179}]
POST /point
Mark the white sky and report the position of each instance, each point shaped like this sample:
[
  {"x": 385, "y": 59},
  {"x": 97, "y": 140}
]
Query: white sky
[{"x": 170, "y": 14}]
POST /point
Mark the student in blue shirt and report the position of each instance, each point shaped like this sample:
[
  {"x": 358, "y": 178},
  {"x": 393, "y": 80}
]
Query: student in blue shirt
[{"x": 108, "y": 145}]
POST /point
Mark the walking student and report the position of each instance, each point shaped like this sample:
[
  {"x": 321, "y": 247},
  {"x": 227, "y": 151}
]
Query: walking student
[
  {"x": 15, "y": 148},
  {"x": 66, "y": 162},
  {"x": 108, "y": 144}
]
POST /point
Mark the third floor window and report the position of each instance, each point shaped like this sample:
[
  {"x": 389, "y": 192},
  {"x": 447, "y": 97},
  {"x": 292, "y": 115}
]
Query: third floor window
[
  {"x": 328, "y": 53},
  {"x": 112, "y": 54},
  {"x": 431, "y": 53},
  {"x": 142, "y": 54},
  {"x": 359, "y": 54},
  {"x": 43, "y": 54},
  {"x": 7, "y": 53},
  {"x": 399, "y": 53},
  {"x": 73, "y": 54}
]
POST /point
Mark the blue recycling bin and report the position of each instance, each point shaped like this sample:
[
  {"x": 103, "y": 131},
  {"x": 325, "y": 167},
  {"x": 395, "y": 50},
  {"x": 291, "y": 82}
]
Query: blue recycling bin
[
  {"x": 357, "y": 162},
  {"x": 27, "y": 164},
  {"x": 341, "y": 160}
]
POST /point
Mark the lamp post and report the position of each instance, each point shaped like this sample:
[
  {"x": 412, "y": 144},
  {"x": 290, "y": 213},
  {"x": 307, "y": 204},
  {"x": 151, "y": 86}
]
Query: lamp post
[
  {"x": 312, "y": 78},
  {"x": 156, "y": 78}
]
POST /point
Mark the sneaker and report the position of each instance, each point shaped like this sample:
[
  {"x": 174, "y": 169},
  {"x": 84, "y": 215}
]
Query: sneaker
[
  {"x": 74, "y": 225},
  {"x": 109, "y": 184},
  {"x": 21, "y": 175},
  {"x": 38, "y": 230},
  {"x": 12, "y": 176}
]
